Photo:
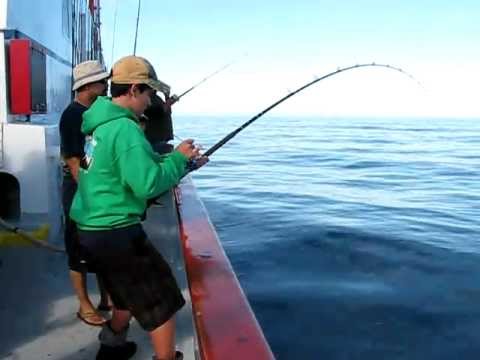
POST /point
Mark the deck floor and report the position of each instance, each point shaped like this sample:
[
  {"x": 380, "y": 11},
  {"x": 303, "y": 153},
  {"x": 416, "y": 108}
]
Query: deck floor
[{"x": 37, "y": 305}]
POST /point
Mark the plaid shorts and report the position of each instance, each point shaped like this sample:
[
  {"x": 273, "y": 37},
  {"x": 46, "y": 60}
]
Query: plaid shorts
[{"x": 136, "y": 276}]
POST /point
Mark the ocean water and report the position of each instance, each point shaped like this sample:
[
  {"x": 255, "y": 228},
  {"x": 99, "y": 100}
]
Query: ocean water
[{"x": 352, "y": 238}]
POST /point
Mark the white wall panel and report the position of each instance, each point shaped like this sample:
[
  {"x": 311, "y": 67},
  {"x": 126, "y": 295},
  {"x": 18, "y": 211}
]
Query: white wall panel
[{"x": 26, "y": 159}]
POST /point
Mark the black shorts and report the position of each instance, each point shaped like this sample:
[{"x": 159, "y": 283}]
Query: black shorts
[
  {"x": 76, "y": 261},
  {"x": 135, "y": 275}
]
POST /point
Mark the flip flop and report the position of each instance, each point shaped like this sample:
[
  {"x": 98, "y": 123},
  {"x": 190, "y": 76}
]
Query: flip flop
[{"x": 91, "y": 318}]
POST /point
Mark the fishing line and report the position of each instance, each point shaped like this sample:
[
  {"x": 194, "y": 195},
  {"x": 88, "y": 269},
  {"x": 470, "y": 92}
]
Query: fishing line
[{"x": 198, "y": 145}]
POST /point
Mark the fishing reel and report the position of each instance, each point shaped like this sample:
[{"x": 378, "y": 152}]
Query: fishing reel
[
  {"x": 170, "y": 100},
  {"x": 192, "y": 165},
  {"x": 196, "y": 163}
]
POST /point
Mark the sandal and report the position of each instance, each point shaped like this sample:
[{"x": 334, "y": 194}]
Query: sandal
[{"x": 91, "y": 318}]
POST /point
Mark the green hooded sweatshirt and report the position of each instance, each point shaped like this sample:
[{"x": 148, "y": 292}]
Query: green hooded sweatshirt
[{"x": 121, "y": 171}]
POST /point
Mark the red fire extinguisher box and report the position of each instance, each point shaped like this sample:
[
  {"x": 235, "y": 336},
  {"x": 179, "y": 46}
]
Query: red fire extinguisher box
[{"x": 20, "y": 77}]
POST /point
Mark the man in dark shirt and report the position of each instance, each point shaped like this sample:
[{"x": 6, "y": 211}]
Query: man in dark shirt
[
  {"x": 90, "y": 81},
  {"x": 157, "y": 122}
]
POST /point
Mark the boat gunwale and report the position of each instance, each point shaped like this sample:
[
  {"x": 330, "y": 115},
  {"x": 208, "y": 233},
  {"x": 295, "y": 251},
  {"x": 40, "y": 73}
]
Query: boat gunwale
[{"x": 225, "y": 323}]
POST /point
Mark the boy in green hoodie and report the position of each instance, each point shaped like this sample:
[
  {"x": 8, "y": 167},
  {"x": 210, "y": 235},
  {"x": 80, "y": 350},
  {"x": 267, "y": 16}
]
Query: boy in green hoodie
[{"x": 120, "y": 172}]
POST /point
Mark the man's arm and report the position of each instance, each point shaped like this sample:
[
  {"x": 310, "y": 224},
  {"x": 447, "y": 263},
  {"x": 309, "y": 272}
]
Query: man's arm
[
  {"x": 72, "y": 140},
  {"x": 73, "y": 164}
]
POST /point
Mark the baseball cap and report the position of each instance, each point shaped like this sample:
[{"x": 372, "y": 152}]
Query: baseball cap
[{"x": 137, "y": 70}]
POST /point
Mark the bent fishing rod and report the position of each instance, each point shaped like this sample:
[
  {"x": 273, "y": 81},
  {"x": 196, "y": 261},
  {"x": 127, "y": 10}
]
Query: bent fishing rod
[{"x": 227, "y": 138}]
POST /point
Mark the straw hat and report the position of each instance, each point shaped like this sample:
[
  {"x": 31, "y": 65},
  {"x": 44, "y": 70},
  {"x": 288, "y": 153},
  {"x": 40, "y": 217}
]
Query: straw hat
[{"x": 88, "y": 72}]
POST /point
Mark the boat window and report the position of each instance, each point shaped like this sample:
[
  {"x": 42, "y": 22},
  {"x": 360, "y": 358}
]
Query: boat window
[{"x": 39, "y": 82}]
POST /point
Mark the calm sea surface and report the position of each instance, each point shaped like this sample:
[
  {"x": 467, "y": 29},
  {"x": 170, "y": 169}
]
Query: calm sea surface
[{"x": 353, "y": 238}]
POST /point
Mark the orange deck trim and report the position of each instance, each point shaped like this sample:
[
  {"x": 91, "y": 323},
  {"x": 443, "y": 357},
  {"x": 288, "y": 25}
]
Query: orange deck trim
[{"x": 226, "y": 325}]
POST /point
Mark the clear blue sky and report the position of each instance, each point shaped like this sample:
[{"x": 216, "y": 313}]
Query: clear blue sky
[{"x": 289, "y": 42}]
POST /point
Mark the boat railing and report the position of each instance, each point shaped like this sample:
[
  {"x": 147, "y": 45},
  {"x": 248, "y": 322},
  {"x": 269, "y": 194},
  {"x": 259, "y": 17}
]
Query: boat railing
[{"x": 225, "y": 324}]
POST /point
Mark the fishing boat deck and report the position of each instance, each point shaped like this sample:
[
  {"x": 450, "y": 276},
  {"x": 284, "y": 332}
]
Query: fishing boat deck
[{"x": 37, "y": 305}]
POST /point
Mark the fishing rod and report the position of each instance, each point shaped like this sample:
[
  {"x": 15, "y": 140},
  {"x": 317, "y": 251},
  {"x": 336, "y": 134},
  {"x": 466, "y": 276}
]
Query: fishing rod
[
  {"x": 136, "y": 28},
  {"x": 227, "y": 138},
  {"x": 178, "y": 97},
  {"x": 114, "y": 29}
]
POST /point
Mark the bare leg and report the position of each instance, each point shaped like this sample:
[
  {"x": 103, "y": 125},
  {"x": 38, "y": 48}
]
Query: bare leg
[
  {"x": 87, "y": 311},
  {"x": 163, "y": 340},
  {"x": 79, "y": 283}
]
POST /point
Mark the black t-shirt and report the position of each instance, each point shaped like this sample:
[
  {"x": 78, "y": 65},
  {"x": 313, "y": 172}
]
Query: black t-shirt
[
  {"x": 72, "y": 140},
  {"x": 158, "y": 125}
]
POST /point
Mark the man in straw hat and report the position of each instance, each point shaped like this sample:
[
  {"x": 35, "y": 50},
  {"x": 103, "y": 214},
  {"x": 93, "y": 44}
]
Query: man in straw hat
[
  {"x": 121, "y": 172},
  {"x": 90, "y": 81}
]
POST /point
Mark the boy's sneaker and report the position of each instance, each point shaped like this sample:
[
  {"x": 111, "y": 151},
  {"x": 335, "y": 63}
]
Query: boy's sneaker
[{"x": 122, "y": 352}]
